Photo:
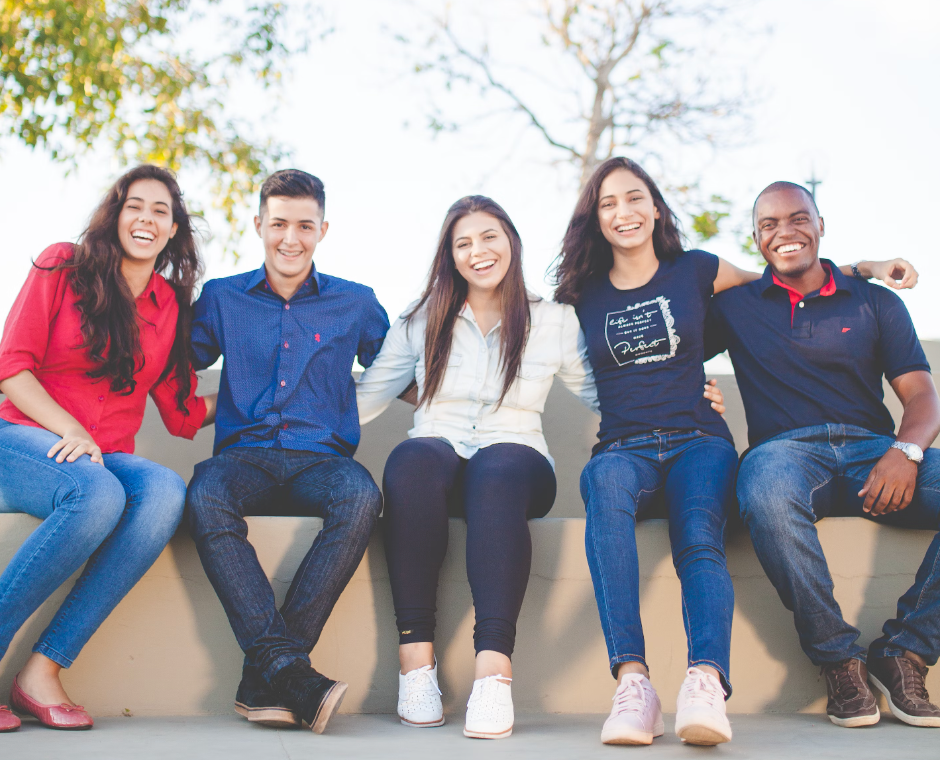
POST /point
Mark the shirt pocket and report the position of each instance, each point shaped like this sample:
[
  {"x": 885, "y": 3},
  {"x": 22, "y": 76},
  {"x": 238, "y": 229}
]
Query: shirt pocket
[
  {"x": 532, "y": 386},
  {"x": 450, "y": 384}
]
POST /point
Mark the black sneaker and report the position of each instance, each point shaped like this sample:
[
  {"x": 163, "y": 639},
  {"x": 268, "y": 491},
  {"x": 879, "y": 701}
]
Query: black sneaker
[
  {"x": 850, "y": 702},
  {"x": 903, "y": 683},
  {"x": 256, "y": 700},
  {"x": 313, "y": 697}
]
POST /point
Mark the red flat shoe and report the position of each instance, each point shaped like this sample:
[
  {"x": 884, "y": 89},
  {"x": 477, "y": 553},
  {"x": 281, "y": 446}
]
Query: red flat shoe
[
  {"x": 8, "y": 721},
  {"x": 64, "y": 717}
]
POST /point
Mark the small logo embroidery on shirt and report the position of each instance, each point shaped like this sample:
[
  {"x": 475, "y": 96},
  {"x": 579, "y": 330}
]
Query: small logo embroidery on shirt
[
  {"x": 845, "y": 329},
  {"x": 317, "y": 337}
]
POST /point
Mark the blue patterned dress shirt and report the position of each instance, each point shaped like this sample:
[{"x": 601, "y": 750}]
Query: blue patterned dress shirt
[{"x": 286, "y": 374}]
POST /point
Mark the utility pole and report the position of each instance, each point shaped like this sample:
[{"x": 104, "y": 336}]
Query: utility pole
[{"x": 813, "y": 182}]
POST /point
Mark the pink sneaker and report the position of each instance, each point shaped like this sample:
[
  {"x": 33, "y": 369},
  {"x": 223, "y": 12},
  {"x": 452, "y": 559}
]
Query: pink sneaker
[
  {"x": 701, "y": 710},
  {"x": 636, "y": 713}
]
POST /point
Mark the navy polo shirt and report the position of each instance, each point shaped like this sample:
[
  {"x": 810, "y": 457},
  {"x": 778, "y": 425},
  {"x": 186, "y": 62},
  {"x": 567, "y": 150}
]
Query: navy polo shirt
[
  {"x": 821, "y": 361},
  {"x": 645, "y": 346},
  {"x": 286, "y": 375}
]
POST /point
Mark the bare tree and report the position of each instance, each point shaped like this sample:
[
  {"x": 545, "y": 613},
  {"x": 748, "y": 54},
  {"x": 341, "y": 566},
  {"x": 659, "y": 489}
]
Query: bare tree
[{"x": 625, "y": 84}]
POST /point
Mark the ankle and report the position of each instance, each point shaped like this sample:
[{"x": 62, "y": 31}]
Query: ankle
[
  {"x": 625, "y": 668},
  {"x": 490, "y": 663},
  {"x": 415, "y": 656}
]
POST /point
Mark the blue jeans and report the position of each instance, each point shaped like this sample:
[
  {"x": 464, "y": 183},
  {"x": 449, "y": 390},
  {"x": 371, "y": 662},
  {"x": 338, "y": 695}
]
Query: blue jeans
[
  {"x": 694, "y": 473},
  {"x": 244, "y": 481},
  {"x": 791, "y": 481},
  {"x": 116, "y": 519}
]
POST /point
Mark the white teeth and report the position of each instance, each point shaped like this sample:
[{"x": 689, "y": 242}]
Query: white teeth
[
  {"x": 483, "y": 265},
  {"x": 628, "y": 227},
  {"x": 142, "y": 236},
  {"x": 789, "y": 248}
]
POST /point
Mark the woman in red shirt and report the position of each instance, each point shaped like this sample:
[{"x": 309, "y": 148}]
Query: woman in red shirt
[{"x": 96, "y": 328}]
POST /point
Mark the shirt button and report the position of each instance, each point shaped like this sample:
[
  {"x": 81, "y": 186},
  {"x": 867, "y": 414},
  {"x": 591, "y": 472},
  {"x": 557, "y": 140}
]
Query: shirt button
[
  {"x": 801, "y": 304},
  {"x": 285, "y": 426},
  {"x": 93, "y": 427},
  {"x": 287, "y": 305},
  {"x": 101, "y": 398},
  {"x": 286, "y": 344},
  {"x": 282, "y": 383}
]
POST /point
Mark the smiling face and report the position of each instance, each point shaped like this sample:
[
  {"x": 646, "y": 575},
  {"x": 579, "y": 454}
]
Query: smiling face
[
  {"x": 627, "y": 213},
  {"x": 482, "y": 251},
  {"x": 787, "y": 231},
  {"x": 145, "y": 223},
  {"x": 290, "y": 229}
]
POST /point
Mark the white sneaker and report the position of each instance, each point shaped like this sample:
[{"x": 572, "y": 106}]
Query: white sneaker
[
  {"x": 636, "y": 713},
  {"x": 490, "y": 709},
  {"x": 420, "y": 699},
  {"x": 701, "y": 710}
]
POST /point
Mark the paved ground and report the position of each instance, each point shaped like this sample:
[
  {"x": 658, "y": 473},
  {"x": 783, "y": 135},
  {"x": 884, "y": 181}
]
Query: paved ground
[{"x": 769, "y": 737}]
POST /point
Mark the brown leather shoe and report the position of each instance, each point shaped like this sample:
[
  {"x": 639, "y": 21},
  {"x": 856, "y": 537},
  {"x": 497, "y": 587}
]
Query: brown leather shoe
[
  {"x": 903, "y": 683},
  {"x": 850, "y": 702}
]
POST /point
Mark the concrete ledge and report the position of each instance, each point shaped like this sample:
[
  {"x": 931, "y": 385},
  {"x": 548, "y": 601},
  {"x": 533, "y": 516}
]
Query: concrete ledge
[{"x": 168, "y": 650}]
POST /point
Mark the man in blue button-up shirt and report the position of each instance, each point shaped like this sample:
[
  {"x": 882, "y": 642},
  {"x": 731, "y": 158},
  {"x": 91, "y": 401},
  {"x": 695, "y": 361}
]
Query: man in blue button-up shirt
[{"x": 286, "y": 431}]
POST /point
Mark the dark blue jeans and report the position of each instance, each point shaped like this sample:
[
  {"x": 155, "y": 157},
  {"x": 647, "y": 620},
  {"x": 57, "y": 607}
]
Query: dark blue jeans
[
  {"x": 256, "y": 481},
  {"x": 793, "y": 480},
  {"x": 693, "y": 473}
]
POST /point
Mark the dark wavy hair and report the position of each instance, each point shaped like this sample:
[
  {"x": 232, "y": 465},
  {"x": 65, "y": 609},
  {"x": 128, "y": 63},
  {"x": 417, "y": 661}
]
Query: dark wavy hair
[
  {"x": 447, "y": 290},
  {"x": 585, "y": 251},
  {"x": 109, "y": 314}
]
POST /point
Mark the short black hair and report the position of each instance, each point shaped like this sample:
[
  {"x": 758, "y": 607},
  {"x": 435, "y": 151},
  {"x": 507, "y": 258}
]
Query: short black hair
[
  {"x": 292, "y": 183},
  {"x": 783, "y": 185}
]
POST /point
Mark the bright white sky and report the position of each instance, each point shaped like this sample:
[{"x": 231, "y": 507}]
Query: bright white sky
[{"x": 852, "y": 85}]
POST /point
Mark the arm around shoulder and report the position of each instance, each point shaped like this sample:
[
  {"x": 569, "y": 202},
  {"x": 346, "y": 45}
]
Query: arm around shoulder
[{"x": 575, "y": 371}]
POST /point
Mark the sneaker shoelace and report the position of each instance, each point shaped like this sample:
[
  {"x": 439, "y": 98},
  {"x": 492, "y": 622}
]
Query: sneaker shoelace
[
  {"x": 421, "y": 681},
  {"x": 914, "y": 684},
  {"x": 845, "y": 684},
  {"x": 478, "y": 694},
  {"x": 698, "y": 687},
  {"x": 632, "y": 698}
]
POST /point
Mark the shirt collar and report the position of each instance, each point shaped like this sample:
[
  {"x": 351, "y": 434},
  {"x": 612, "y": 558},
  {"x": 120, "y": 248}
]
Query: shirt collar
[
  {"x": 258, "y": 279},
  {"x": 836, "y": 281},
  {"x": 153, "y": 291}
]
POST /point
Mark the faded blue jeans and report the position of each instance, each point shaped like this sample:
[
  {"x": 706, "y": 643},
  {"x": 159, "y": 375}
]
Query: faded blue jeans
[
  {"x": 693, "y": 473},
  {"x": 791, "y": 481},
  {"x": 244, "y": 481},
  {"x": 114, "y": 519}
]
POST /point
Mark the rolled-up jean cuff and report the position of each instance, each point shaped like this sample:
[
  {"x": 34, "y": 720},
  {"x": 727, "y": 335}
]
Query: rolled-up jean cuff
[
  {"x": 283, "y": 662},
  {"x": 619, "y": 659},
  {"x": 57, "y": 657},
  {"x": 724, "y": 679},
  {"x": 897, "y": 648}
]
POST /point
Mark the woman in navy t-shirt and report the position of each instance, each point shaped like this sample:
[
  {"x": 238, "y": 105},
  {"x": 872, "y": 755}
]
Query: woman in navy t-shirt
[{"x": 642, "y": 302}]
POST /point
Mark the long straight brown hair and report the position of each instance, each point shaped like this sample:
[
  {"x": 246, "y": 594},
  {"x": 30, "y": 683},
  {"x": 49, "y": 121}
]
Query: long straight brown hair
[
  {"x": 109, "y": 314},
  {"x": 446, "y": 293},
  {"x": 585, "y": 251}
]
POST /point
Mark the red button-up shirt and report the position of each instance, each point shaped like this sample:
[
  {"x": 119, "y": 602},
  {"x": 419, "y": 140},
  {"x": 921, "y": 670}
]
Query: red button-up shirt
[{"x": 43, "y": 334}]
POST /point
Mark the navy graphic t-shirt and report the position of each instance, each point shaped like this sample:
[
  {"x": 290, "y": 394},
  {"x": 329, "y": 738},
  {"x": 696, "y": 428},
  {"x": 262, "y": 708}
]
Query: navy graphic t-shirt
[{"x": 646, "y": 350}]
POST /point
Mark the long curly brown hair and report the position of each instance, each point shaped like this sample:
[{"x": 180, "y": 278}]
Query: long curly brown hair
[
  {"x": 447, "y": 291},
  {"x": 585, "y": 251},
  {"x": 109, "y": 314}
]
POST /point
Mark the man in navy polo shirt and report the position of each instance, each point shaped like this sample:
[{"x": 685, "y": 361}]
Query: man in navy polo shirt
[
  {"x": 286, "y": 431},
  {"x": 810, "y": 348}
]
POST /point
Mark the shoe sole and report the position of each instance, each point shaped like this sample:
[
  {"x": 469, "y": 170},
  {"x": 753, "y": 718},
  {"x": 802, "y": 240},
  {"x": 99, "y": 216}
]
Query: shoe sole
[
  {"x": 858, "y": 721},
  {"x": 430, "y": 724},
  {"x": 329, "y": 705},
  {"x": 703, "y": 736},
  {"x": 913, "y": 720},
  {"x": 488, "y": 735},
  {"x": 274, "y": 717},
  {"x": 627, "y": 737}
]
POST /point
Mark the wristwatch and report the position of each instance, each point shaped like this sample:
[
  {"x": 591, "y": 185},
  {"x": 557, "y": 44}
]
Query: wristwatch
[
  {"x": 911, "y": 450},
  {"x": 856, "y": 271}
]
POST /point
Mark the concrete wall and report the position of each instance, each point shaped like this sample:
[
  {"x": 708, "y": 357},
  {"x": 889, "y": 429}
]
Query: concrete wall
[{"x": 168, "y": 649}]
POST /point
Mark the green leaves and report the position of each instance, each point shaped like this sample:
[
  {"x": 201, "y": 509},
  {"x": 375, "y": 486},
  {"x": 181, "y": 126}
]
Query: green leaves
[{"x": 79, "y": 73}]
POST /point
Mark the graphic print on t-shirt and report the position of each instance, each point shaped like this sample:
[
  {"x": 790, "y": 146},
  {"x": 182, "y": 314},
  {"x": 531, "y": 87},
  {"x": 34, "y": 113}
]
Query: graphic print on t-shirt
[{"x": 642, "y": 333}]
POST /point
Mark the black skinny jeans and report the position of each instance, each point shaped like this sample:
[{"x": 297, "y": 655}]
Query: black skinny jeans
[{"x": 497, "y": 490}]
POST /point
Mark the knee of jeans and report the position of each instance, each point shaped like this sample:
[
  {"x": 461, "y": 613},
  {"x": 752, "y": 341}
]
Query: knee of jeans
[
  {"x": 204, "y": 507},
  {"x": 166, "y": 491},
  {"x": 763, "y": 480},
  {"x": 360, "y": 494},
  {"x": 101, "y": 499}
]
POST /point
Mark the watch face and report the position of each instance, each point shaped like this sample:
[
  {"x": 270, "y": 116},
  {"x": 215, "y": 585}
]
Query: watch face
[{"x": 912, "y": 451}]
